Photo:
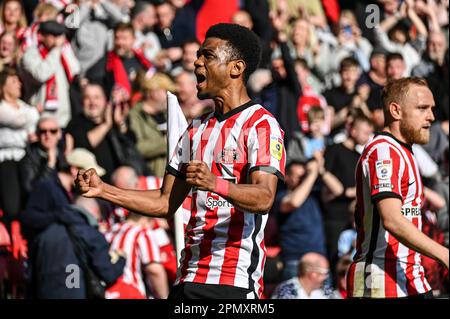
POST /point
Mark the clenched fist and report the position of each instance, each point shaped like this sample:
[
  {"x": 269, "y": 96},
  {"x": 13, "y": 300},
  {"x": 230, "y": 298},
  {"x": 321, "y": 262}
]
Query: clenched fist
[
  {"x": 199, "y": 175},
  {"x": 89, "y": 183}
]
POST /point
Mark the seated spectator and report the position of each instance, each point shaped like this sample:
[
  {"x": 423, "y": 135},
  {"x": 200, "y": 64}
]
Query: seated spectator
[
  {"x": 395, "y": 66},
  {"x": 17, "y": 127},
  {"x": 104, "y": 132},
  {"x": 148, "y": 121},
  {"x": 313, "y": 270},
  {"x": 118, "y": 71},
  {"x": 45, "y": 156},
  {"x": 48, "y": 70},
  {"x": 52, "y": 224},
  {"x": 12, "y": 18},
  {"x": 299, "y": 215}
]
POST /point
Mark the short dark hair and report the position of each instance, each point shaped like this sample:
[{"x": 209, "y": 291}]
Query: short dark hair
[
  {"x": 394, "y": 56},
  {"x": 347, "y": 63},
  {"x": 4, "y": 75},
  {"x": 243, "y": 42},
  {"x": 121, "y": 26}
]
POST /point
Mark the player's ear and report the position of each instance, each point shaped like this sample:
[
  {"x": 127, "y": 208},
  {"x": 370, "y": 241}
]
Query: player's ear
[
  {"x": 237, "y": 68},
  {"x": 395, "y": 110}
]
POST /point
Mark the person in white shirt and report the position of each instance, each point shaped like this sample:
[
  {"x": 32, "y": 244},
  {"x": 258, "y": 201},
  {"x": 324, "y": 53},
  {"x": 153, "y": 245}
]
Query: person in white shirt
[{"x": 17, "y": 125}]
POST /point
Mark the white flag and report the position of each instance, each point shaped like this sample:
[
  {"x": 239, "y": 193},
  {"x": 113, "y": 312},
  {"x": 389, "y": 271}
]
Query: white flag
[{"x": 176, "y": 125}]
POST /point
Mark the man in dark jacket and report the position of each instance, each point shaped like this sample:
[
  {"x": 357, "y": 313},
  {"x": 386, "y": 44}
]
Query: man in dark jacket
[
  {"x": 43, "y": 157},
  {"x": 55, "y": 268}
]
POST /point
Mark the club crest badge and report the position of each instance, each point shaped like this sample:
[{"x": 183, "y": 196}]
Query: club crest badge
[{"x": 227, "y": 156}]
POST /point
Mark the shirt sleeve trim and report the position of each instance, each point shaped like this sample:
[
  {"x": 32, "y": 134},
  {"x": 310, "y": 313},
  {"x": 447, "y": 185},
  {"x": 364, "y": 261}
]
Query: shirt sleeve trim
[
  {"x": 267, "y": 169},
  {"x": 383, "y": 195}
]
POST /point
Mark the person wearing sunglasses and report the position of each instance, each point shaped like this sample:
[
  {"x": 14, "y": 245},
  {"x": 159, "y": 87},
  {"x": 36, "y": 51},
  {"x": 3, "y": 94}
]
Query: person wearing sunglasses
[
  {"x": 44, "y": 156},
  {"x": 17, "y": 125}
]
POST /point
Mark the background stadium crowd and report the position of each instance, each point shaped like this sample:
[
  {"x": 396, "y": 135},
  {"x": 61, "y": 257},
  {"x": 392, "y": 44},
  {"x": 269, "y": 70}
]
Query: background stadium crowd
[{"x": 83, "y": 84}]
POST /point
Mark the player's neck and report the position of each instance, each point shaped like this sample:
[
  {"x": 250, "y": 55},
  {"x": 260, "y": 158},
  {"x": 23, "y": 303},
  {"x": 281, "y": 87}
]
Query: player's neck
[
  {"x": 230, "y": 100},
  {"x": 396, "y": 133}
]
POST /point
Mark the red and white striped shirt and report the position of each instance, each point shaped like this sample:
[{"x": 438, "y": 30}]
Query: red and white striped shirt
[
  {"x": 224, "y": 244},
  {"x": 140, "y": 247},
  {"x": 383, "y": 267}
]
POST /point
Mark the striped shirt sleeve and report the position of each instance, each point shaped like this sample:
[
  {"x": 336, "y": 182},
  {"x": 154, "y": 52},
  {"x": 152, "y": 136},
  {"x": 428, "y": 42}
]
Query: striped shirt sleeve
[
  {"x": 181, "y": 155},
  {"x": 148, "y": 248},
  {"x": 384, "y": 170},
  {"x": 265, "y": 146}
]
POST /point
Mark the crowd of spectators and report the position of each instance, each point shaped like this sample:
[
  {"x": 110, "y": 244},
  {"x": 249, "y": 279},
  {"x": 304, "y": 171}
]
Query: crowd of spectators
[{"x": 83, "y": 84}]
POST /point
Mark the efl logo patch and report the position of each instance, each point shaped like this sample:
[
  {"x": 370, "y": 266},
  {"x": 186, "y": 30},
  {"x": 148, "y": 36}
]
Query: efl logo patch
[
  {"x": 384, "y": 168},
  {"x": 276, "y": 147}
]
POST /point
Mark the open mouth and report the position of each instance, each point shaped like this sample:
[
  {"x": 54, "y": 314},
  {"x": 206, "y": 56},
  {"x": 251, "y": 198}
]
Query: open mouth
[{"x": 200, "y": 78}]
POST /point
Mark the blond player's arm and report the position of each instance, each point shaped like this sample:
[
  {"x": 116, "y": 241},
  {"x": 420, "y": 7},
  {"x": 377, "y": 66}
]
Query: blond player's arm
[{"x": 405, "y": 232}]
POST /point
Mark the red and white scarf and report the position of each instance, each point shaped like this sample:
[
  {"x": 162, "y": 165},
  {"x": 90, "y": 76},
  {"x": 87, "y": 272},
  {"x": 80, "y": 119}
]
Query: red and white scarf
[
  {"x": 115, "y": 65},
  {"x": 51, "y": 89}
]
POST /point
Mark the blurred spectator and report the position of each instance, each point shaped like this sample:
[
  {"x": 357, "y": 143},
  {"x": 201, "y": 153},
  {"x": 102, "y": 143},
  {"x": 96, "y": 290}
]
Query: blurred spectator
[
  {"x": 45, "y": 156},
  {"x": 310, "y": 9},
  {"x": 190, "y": 104},
  {"x": 350, "y": 42},
  {"x": 341, "y": 276},
  {"x": 392, "y": 34},
  {"x": 17, "y": 127},
  {"x": 173, "y": 31},
  {"x": 137, "y": 241},
  {"x": 51, "y": 221},
  {"x": 12, "y": 18},
  {"x": 303, "y": 146},
  {"x": 104, "y": 132},
  {"x": 434, "y": 67},
  {"x": 189, "y": 55},
  {"x": 148, "y": 121},
  {"x": 143, "y": 20},
  {"x": 313, "y": 270},
  {"x": 442, "y": 188},
  {"x": 8, "y": 50},
  {"x": 341, "y": 160},
  {"x": 94, "y": 37},
  {"x": 118, "y": 70},
  {"x": 242, "y": 18},
  {"x": 299, "y": 215},
  {"x": 49, "y": 68},
  {"x": 395, "y": 66},
  {"x": 347, "y": 97},
  {"x": 43, "y": 12}
]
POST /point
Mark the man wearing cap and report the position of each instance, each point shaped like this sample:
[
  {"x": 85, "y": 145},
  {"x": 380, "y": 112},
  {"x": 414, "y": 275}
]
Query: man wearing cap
[
  {"x": 55, "y": 267},
  {"x": 49, "y": 68}
]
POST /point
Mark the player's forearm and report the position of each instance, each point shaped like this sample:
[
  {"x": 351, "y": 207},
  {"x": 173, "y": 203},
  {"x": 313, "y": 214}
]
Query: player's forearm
[
  {"x": 150, "y": 202},
  {"x": 410, "y": 236},
  {"x": 251, "y": 198}
]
